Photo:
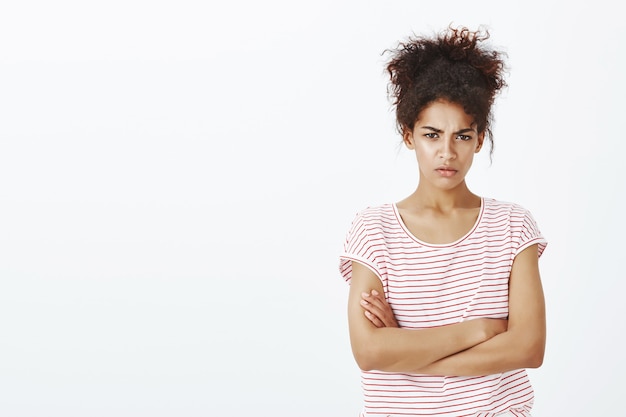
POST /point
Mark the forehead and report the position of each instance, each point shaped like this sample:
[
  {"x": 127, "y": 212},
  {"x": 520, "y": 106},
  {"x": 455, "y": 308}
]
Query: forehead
[{"x": 442, "y": 113}]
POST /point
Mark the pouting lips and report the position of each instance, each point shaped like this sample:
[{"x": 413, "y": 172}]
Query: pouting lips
[{"x": 446, "y": 171}]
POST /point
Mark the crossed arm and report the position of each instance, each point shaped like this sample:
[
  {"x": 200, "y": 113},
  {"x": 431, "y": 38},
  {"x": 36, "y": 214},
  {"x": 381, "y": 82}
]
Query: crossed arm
[{"x": 473, "y": 347}]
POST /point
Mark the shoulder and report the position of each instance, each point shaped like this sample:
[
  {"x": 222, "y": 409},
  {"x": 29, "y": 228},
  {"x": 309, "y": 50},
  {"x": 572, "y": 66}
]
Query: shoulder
[
  {"x": 374, "y": 219},
  {"x": 366, "y": 242},
  {"x": 521, "y": 224},
  {"x": 376, "y": 213},
  {"x": 501, "y": 205},
  {"x": 512, "y": 210}
]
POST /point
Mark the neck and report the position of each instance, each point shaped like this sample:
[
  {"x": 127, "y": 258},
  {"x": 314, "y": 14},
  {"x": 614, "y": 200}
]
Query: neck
[{"x": 459, "y": 197}]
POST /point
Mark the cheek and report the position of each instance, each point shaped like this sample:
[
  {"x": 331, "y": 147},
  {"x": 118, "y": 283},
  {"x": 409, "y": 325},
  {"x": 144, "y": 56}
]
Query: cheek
[
  {"x": 422, "y": 155},
  {"x": 466, "y": 156},
  {"x": 422, "y": 148}
]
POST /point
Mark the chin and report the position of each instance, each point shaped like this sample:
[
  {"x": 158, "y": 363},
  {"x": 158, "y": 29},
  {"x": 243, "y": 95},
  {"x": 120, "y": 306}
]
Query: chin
[{"x": 448, "y": 185}]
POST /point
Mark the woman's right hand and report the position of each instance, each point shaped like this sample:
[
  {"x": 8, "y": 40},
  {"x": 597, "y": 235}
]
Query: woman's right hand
[{"x": 378, "y": 310}]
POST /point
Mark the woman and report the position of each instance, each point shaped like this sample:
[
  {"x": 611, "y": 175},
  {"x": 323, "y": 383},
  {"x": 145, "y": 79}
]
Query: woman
[{"x": 446, "y": 307}]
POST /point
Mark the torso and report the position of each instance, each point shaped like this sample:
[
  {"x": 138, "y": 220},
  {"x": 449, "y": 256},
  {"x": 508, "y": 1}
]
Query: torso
[{"x": 435, "y": 271}]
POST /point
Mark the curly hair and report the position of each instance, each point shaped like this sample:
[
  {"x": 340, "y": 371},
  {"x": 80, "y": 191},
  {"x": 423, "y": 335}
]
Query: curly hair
[{"x": 452, "y": 66}]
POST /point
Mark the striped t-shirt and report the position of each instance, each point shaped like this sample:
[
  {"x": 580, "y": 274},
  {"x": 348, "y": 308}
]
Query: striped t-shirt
[{"x": 429, "y": 285}]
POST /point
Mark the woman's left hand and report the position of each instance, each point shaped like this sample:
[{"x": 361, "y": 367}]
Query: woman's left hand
[{"x": 378, "y": 310}]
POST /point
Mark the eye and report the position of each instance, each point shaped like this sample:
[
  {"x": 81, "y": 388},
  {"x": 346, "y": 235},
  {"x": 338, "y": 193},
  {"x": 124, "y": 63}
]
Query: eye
[
  {"x": 464, "y": 137},
  {"x": 431, "y": 135}
]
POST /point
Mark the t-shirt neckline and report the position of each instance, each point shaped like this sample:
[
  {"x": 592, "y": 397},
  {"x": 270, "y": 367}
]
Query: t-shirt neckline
[{"x": 439, "y": 245}]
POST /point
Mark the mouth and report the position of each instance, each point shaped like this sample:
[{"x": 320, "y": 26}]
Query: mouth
[{"x": 446, "y": 171}]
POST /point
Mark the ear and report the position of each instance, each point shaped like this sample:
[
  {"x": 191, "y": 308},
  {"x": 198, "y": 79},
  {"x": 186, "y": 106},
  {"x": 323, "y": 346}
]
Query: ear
[
  {"x": 479, "y": 143},
  {"x": 407, "y": 138}
]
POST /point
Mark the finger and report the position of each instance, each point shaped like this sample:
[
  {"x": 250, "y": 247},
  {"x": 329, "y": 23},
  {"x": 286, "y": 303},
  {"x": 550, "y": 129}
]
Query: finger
[
  {"x": 384, "y": 313},
  {"x": 375, "y": 320},
  {"x": 370, "y": 307},
  {"x": 378, "y": 301},
  {"x": 378, "y": 306},
  {"x": 366, "y": 305},
  {"x": 373, "y": 311},
  {"x": 386, "y": 320},
  {"x": 385, "y": 317},
  {"x": 379, "y": 298}
]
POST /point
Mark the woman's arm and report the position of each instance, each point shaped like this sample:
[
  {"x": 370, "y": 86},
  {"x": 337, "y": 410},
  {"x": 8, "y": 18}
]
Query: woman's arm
[
  {"x": 521, "y": 346},
  {"x": 395, "y": 349}
]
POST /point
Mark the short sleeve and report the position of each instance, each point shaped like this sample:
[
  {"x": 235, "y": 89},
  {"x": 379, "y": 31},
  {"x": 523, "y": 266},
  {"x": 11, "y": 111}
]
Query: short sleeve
[
  {"x": 363, "y": 244},
  {"x": 526, "y": 233}
]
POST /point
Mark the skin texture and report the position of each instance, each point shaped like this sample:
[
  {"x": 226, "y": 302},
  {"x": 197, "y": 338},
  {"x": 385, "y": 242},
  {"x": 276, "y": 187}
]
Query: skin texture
[{"x": 441, "y": 210}]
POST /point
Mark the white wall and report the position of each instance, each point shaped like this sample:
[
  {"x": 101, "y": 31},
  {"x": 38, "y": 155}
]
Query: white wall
[{"x": 176, "y": 180}]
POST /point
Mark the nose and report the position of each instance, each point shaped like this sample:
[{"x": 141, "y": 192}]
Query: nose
[{"x": 447, "y": 150}]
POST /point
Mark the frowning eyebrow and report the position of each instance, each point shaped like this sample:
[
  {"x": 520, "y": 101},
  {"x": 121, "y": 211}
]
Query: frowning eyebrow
[{"x": 434, "y": 129}]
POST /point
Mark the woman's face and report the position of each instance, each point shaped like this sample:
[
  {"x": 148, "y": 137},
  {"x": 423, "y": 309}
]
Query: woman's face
[{"x": 444, "y": 140}]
